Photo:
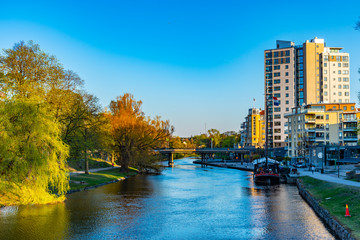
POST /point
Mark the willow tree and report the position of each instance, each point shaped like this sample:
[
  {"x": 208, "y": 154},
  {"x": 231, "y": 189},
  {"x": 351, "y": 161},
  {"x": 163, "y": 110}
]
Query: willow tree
[
  {"x": 135, "y": 136},
  {"x": 32, "y": 155}
]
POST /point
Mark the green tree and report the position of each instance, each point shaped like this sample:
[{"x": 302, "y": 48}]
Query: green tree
[
  {"x": 215, "y": 137},
  {"x": 32, "y": 154}
]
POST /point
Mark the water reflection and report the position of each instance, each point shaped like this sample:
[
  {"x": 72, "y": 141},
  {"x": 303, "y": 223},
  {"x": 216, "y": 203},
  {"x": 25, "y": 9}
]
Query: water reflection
[{"x": 186, "y": 202}]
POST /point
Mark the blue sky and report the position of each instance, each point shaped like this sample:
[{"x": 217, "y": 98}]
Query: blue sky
[{"x": 192, "y": 62}]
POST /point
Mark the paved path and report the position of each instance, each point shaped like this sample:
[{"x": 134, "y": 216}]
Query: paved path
[
  {"x": 328, "y": 178},
  {"x": 92, "y": 170}
]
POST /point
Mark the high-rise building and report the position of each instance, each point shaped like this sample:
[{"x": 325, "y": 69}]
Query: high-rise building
[{"x": 302, "y": 74}]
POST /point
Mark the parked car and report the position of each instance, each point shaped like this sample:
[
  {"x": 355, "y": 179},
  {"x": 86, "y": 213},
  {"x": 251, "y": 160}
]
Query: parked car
[{"x": 300, "y": 165}]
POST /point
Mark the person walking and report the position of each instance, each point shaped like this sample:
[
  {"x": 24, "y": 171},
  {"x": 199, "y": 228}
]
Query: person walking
[{"x": 312, "y": 169}]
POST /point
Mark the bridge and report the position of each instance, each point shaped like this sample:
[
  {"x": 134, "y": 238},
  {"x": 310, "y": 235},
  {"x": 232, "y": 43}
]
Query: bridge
[{"x": 205, "y": 153}]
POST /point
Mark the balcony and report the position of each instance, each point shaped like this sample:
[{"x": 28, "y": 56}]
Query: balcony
[
  {"x": 350, "y": 120},
  {"x": 310, "y": 129},
  {"x": 350, "y": 139},
  {"x": 350, "y": 129},
  {"x": 310, "y": 120}
]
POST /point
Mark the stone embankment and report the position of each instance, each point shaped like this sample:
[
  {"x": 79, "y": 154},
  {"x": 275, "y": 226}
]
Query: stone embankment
[{"x": 324, "y": 215}]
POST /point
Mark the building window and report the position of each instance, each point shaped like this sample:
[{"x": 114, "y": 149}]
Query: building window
[
  {"x": 287, "y": 102},
  {"x": 325, "y": 64},
  {"x": 276, "y": 88},
  {"x": 345, "y": 108},
  {"x": 277, "y": 67},
  {"x": 346, "y": 93},
  {"x": 286, "y": 95},
  {"x": 339, "y": 93},
  {"x": 345, "y": 58},
  {"x": 276, "y": 54},
  {"x": 277, "y": 116},
  {"x": 287, "y": 109},
  {"x": 278, "y": 74},
  {"x": 286, "y": 74},
  {"x": 345, "y": 79},
  {"x": 286, "y": 66},
  {"x": 276, "y": 81},
  {"x": 277, "y": 123},
  {"x": 325, "y": 93},
  {"x": 339, "y": 71},
  {"x": 339, "y": 64},
  {"x": 339, "y": 79},
  {"x": 352, "y": 108},
  {"x": 325, "y": 71},
  {"x": 276, "y": 61},
  {"x": 286, "y": 88},
  {"x": 277, "y": 95},
  {"x": 277, "y": 130},
  {"x": 325, "y": 79},
  {"x": 286, "y": 80},
  {"x": 338, "y": 58},
  {"x": 325, "y": 85},
  {"x": 345, "y": 71},
  {"x": 277, "y": 137},
  {"x": 268, "y": 55},
  {"x": 287, "y": 53},
  {"x": 327, "y": 116},
  {"x": 339, "y": 86},
  {"x": 345, "y": 65},
  {"x": 277, "y": 109}
]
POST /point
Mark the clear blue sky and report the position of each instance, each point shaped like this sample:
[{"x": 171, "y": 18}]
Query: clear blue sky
[{"x": 192, "y": 62}]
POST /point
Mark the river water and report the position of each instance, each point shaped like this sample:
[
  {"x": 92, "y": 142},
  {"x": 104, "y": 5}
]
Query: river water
[{"x": 185, "y": 202}]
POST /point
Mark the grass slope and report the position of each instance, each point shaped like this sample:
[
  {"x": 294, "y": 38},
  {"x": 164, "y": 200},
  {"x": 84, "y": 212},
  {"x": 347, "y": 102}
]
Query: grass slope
[
  {"x": 334, "y": 197},
  {"x": 79, "y": 181}
]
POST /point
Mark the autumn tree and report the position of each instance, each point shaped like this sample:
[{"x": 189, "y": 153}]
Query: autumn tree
[{"x": 134, "y": 135}]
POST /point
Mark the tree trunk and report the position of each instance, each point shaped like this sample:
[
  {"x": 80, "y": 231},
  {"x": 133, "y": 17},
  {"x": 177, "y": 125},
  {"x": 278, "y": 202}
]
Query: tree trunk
[{"x": 86, "y": 164}]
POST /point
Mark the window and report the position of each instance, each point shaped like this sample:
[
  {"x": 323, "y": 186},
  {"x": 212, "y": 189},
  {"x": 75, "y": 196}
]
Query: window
[
  {"x": 277, "y": 95},
  {"x": 277, "y": 130},
  {"x": 339, "y": 86},
  {"x": 276, "y": 54},
  {"x": 339, "y": 64},
  {"x": 338, "y": 58},
  {"x": 277, "y": 137},
  {"x": 286, "y": 80},
  {"x": 339, "y": 93},
  {"x": 327, "y": 116},
  {"x": 325, "y": 93},
  {"x": 346, "y": 86},
  {"x": 325, "y": 71},
  {"x": 325, "y": 85},
  {"x": 339, "y": 71},
  {"x": 277, "y": 123},
  {"x": 345, "y": 58},
  {"x": 277, "y": 67},
  {"x": 287, "y": 102},
  {"x": 276, "y": 81},
  {"x": 345, "y": 79},
  {"x": 276, "y": 61},
  {"x": 286, "y": 74},
  {"x": 325, "y": 64},
  {"x": 287, "y": 60},
  {"x": 326, "y": 58},
  {"x": 277, "y": 116},
  {"x": 287, "y": 109},
  {"x": 339, "y": 79},
  {"x": 345, "y": 65},
  {"x": 286, "y": 66},
  {"x": 268, "y": 55},
  {"x": 345, "y": 71},
  {"x": 277, "y": 109},
  {"x": 352, "y": 108},
  {"x": 276, "y": 88},
  {"x": 327, "y": 126},
  {"x": 286, "y": 88},
  {"x": 287, "y": 53},
  {"x": 346, "y": 93},
  {"x": 345, "y": 108},
  {"x": 268, "y": 62},
  {"x": 277, "y": 74},
  {"x": 286, "y": 95},
  {"x": 325, "y": 79}
]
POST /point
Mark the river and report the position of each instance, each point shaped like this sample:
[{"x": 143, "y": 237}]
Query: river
[{"x": 185, "y": 202}]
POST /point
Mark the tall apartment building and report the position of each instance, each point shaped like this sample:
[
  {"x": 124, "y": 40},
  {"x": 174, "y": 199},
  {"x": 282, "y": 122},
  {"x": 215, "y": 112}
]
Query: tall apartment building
[
  {"x": 302, "y": 74},
  {"x": 321, "y": 124},
  {"x": 253, "y": 129}
]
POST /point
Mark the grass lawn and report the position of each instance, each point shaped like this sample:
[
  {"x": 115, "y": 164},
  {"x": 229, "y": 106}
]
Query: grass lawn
[
  {"x": 96, "y": 178},
  {"x": 334, "y": 197}
]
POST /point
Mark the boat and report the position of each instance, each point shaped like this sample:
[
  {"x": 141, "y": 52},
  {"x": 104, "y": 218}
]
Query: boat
[{"x": 266, "y": 171}]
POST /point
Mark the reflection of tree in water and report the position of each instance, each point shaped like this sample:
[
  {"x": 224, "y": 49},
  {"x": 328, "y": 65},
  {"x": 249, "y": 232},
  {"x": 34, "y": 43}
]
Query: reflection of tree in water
[
  {"x": 35, "y": 222},
  {"x": 117, "y": 205}
]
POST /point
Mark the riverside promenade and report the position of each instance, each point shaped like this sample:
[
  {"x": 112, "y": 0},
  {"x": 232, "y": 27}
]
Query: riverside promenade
[{"x": 329, "y": 177}]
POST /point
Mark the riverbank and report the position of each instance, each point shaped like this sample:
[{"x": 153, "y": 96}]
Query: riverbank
[
  {"x": 227, "y": 164},
  {"x": 81, "y": 181},
  {"x": 329, "y": 201}
]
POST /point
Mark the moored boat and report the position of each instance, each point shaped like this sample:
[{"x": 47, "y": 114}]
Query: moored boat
[{"x": 266, "y": 171}]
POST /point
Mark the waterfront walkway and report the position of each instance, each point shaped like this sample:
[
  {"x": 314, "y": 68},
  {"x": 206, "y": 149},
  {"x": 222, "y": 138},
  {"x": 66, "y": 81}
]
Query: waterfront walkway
[
  {"x": 93, "y": 170},
  {"x": 328, "y": 177}
]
